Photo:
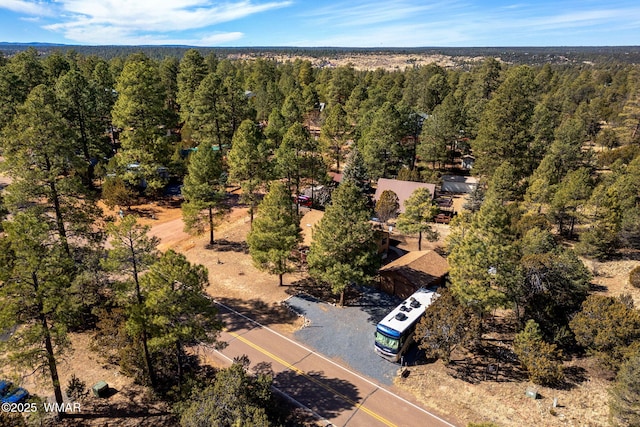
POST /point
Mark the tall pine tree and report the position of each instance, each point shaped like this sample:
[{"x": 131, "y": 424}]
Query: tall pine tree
[
  {"x": 133, "y": 252},
  {"x": 37, "y": 301},
  {"x": 249, "y": 162},
  {"x": 343, "y": 251},
  {"x": 275, "y": 233},
  {"x": 418, "y": 214},
  {"x": 203, "y": 189}
]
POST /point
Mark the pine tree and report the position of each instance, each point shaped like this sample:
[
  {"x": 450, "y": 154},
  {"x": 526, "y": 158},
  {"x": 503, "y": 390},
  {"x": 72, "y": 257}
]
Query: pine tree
[
  {"x": 13, "y": 92},
  {"x": 380, "y": 143},
  {"x": 343, "y": 251},
  {"x": 290, "y": 111},
  {"x": 140, "y": 112},
  {"x": 572, "y": 193},
  {"x": 178, "y": 312},
  {"x": 45, "y": 168},
  {"x": 276, "y": 128},
  {"x": 78, "y": 101},
  {"x": 218, "y": 106},
  {"x": 36, "y": 295},
  {"x": 191, "y": 72},
  {"x": 27, "y": 66},
  {"x": 504, "y": 132},
  {"x": 419, "y": 211},
  {"x": 483, "y": 258},
  {"x": 355, "y": 171},
  {"x": 387, "y": 206},
  {"x": 249, "y": 162},
  {"x": 541, "y": 360},
  {"x": 435, "y": 136},
  {"x": 446, "y": 325},
  {"x": 335, "y": 131},
  {"x": 275, "y": 233},
  {"x": 134, "y": 252},
  {"x": 293, "y": 155},
  {"x": 203, "y": 189}
]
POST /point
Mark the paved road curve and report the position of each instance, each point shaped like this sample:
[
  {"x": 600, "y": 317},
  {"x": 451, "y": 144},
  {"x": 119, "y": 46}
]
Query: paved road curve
[{"x": 335, "y": 394}]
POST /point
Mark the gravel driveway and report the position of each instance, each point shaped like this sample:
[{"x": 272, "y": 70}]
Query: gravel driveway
[{"x": 346, "y": 334}]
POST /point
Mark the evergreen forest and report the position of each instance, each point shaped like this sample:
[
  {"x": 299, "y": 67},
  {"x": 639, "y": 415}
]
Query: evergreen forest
[{"x": 556, "y": 145}]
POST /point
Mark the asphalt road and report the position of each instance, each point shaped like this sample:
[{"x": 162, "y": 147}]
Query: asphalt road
[{"x": 336, "y": 395}]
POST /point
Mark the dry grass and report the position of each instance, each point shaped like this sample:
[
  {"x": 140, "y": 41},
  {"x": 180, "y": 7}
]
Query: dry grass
[
  {"x": 504, "y": 402},
  {"x": 451, "y": 391},
  {"x": 582, "y": 401}
]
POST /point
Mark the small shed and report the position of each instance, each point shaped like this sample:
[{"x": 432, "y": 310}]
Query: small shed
[
  {"x": 418, "y": 269},
  {"x": 458, "y": 184},
  {"x": 403, "y": 189}
]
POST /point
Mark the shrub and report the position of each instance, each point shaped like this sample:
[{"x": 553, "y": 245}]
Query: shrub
[
  {"x": 599, "y": 242},
  {"x": 116, "y": 192},
  {"x": 388, "y": 205},
  {"x": 608, "y": 328},
  {"x": 634, "y": 277},
  {"x": 76, "y": 388},
  {"x": 624, "y": 399},
  {"x": 541, "y": 359}
]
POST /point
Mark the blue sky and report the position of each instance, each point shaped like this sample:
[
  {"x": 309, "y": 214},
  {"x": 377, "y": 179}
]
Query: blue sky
[{"x": 350, "y": 23}]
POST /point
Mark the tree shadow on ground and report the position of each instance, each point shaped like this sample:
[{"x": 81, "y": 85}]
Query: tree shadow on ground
[
  {"x": 573, "y": 376},
  {"x": 372, "y": 301},
  {"x": 321, "y": 292},
  {"x": 375, "y": 303},
  {"x": 142, "y": 212},
  {"x": 491, "y": 361},
  {"x": 594, "y": 287},
  {"x": 328, "y": 397},
  {"x": 259, "y": 311},
  {"x": 224, "y": 245},
  {"x": 133, "y": 408}
]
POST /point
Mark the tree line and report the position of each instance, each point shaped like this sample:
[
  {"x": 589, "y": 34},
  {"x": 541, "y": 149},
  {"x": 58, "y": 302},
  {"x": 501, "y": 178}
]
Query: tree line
[{"x": 555, "y": 148}]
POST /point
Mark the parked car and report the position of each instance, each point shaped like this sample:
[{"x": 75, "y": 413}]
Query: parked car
[
  {"x": 11, "y": 394},
  {"x": 305, "y": 201},
  {"x": 18, "y": 395}
]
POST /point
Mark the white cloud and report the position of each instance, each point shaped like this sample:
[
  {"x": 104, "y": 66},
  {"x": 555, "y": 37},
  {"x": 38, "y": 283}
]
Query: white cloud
[
  {"x": 160, "y": 15},
  {"x": 144, "y": 21},
  {"x": 27, "y": 7}
]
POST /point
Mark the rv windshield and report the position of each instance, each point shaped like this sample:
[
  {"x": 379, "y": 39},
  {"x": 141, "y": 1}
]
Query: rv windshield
[{"x": 386, "y": 341}]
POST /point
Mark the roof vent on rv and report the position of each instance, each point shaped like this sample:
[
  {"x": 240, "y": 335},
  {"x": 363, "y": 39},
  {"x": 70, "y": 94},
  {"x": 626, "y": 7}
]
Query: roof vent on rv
[
  {"x": 405, "y": 308},
  {"x": 401, "y": 316},
  {"x": 415, "y": 303}
]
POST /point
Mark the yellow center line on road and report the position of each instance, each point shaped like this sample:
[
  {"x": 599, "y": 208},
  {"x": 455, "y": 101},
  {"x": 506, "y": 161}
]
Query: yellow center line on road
[{"x": 314, "y": 380}]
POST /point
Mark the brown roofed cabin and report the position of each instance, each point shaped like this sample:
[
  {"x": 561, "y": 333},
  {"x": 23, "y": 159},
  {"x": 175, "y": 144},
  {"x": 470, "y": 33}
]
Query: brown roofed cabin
[{"x": 418, "y": 269}]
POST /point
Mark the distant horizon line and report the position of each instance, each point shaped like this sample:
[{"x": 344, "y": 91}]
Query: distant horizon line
[{"x": 5, "y": 43}]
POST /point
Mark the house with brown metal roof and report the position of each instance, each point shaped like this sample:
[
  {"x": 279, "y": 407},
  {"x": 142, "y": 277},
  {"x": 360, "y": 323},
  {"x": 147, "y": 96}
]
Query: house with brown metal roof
[
  {"x": 403, "y": 189},
  {"x": 414, "y": 270}
]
